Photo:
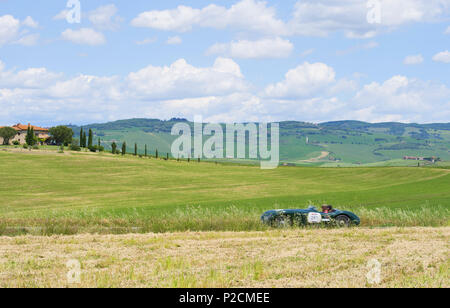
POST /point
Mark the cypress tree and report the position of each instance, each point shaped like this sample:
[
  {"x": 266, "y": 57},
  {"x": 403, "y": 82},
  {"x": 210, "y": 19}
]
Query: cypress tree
[
  {"x": 124, "y": 148},
  {"x": 81, "y": 137},
  {"x": 84, "y": 139},
  {"x": 99, "y": 142},
  {"x": 156, "y": 153},
  {"x": 28, "y": 136},
  {"x": 114, "y": 148},
  {"x": 90, "y": 140},
  {"x": 33, "y": 137},
  {"x": 145, "y": 151},
  {"x": 135, "y": 149},
  {"x": 167, "y": 157}
]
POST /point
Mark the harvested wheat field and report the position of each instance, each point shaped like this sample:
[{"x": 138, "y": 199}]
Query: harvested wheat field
[{"x": 409, "y": 257}]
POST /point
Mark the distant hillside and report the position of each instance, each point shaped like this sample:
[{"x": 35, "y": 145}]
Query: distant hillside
[{"x": 328, "y": 144}]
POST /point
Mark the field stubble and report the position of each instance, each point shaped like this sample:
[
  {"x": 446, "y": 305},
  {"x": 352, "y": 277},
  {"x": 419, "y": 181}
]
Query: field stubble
[{"x": 409, "y": 257}]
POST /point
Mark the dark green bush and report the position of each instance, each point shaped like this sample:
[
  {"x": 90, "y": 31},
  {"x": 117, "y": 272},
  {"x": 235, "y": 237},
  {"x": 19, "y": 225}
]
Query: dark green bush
[{"x": 75, "y": 147}]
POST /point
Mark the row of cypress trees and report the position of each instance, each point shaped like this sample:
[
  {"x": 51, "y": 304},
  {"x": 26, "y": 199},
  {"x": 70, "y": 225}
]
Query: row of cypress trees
[
  {"x": 86, "y": 142},
  {"x": 89, "y": 142},
  {"x": 124, "y": 150}
]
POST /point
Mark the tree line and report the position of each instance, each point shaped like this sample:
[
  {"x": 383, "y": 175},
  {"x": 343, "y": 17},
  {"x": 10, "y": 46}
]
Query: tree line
[
  {"x": 123, "y": 151},
  {"x": 63, "y": 136}
]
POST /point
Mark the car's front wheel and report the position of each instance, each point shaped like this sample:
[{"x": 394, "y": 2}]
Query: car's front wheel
[
  {"x": 343, "y": 221},
  {"x": 282, "y": 222}
]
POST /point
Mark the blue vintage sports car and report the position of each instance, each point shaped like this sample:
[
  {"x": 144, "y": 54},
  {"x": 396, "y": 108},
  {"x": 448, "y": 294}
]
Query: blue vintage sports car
[{"x": 310, "y": 216}]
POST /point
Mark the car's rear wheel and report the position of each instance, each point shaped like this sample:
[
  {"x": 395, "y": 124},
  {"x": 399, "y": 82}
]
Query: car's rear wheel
[
  {"x": 282, "y": 222},
  {"x": 343, "y": 221}
]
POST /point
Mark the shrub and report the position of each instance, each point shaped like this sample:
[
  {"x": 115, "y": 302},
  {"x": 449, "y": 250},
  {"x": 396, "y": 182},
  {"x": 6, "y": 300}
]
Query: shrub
[
  {"x": 60, "y": 135},
  {"x": 7, "y": 133},
  {"x": 93, "y": 148},
  {"x": 114, "y": 148},
  {"x": 75, "y": 147},
  {"x": 15, "y": 142},
  {"x": 25, "y": 146},
  {"x": 101, "y": 148},
  {"x": 35, "y": 147}
]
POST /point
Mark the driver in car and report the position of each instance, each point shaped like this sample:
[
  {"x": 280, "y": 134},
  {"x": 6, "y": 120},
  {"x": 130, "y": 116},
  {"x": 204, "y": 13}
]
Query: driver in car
[{"x": 327, "y": 209}]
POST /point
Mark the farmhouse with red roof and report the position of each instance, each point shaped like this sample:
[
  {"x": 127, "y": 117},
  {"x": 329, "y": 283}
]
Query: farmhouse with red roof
[{"x": 21, "y": 129}]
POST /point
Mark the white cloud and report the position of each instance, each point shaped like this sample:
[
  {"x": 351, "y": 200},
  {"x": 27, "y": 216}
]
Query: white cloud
[
  {"x": 447, "y": 31},
  {"x": 412, "y": 60},
  {"x": 174, "y": 40},
  {"x": 310, "y": 17},
  {"x": 246, "y": 15},
  {"x": 147, "y": 41},
  {"x": 153, "y": 91},
  {"x": 28, "y": 40},
  {"x": 12, "y": 32},
  {"x": 320, "y": 18},
  {"x": 105, "y": 17},
  {"x": 84, "y": 36},
  {"x": 9, "y": 29},
  {"x": 404, "y": 99},
  {"x": 260, "y": 49},
  {"x": 443, "y": 57},
  {"x": 303, "y": 81},
  {"x": 219, "y": 92},
  {"x": 307, "y": 52},
  {"x": 358, "y": 47},
  {"x": 29, "y": 78},
  {"x": 61, "y": 15},
  {"x": 184, "y": 80},
  {"x": 180, "y": 19},
  {"x": 29, "y": 22},
  {"x": 85, "y": 86}
]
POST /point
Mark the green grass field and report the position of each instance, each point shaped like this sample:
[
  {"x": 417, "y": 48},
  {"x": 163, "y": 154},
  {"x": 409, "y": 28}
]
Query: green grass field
[{"x": 43, "y": 192}]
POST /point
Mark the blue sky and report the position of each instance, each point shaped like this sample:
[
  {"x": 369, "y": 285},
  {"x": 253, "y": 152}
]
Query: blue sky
[{"x": 230, "y": 61}]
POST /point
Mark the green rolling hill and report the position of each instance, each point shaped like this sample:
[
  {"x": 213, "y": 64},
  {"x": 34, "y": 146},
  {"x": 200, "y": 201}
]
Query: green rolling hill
[{"x": 344, "y": 143}]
